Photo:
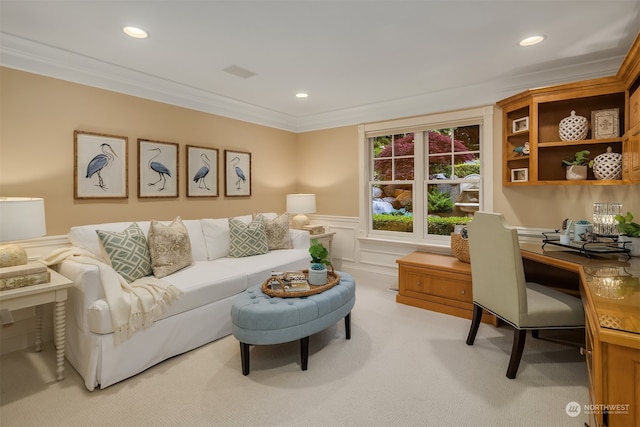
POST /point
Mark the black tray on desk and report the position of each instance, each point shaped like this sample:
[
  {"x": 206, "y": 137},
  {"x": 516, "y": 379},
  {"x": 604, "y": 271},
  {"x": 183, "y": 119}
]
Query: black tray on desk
[{"x": 605, "y": 245}]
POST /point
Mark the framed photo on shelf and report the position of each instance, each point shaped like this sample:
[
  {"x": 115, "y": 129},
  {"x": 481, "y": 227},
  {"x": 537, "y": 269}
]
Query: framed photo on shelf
[
  {"x": 100, "y": 166},
  {"x": 521, "y": 125},
  {"x": 520, "y": 175},
  {"x": 202, "y": 171},
  {"x": 605, "y": 123},
  {"x": 237, "y": 173},
  {"x": 157, "y": 168}
]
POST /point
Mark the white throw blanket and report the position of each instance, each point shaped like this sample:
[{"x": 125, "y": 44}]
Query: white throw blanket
[{"x": 133, "y": 306}]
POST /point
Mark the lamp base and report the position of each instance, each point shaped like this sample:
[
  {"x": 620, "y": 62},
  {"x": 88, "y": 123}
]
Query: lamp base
[
  {"x": 11, "y": 255},
  {"x": 299, "y": 221}
]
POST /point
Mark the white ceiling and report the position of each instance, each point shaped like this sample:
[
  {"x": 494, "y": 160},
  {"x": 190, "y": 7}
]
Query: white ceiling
[{"x": 360, "y": 61}]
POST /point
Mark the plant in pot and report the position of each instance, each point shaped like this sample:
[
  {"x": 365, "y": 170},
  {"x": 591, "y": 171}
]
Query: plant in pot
[
  {"x": 577, "y": 167},
  {"x": 319, "y": 262},
  {"x": 631, "y": 230}
]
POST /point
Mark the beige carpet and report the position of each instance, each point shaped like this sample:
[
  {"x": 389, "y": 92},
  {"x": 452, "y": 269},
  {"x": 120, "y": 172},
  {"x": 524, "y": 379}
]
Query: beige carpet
[{"x": 403, "y": 367}]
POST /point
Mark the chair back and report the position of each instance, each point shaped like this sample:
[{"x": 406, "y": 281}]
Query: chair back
[{"x": 497, "y": 273}]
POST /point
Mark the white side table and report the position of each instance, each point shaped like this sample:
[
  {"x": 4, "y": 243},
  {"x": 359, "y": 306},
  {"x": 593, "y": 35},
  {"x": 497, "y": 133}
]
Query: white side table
[
  {"x": 36, "y": 295},
  {"x": 326, "y": 239}
]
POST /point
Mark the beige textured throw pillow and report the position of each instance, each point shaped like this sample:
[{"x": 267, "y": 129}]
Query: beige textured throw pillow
[
  {"x": 277, "y": 230},
  {"x": 170, "y": 247}
]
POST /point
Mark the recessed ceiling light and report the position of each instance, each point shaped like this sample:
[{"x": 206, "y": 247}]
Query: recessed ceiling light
[
  {"x": 530, "y": 41},
  {"x": 302, "y": 95},
  {"x": 135, "y": 32}
]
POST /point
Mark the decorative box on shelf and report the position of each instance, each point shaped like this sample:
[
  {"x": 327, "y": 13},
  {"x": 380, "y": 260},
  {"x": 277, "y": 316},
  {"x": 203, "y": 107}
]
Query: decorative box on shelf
[
  {"x": 18, "y": 276},
  {"x": 314, "y": 229}
]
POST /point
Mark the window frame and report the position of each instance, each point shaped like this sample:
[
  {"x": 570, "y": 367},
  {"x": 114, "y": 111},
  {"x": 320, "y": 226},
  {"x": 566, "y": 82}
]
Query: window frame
[{"x": 482, "y": 116}]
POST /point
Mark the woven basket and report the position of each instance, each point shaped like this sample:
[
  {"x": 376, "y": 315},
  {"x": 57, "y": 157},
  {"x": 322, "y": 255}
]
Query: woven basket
[{"x": 460, "y": 247}]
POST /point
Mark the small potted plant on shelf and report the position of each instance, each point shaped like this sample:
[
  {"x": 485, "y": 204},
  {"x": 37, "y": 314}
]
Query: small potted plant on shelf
[
  {"x": 631, "y": 231},
  {"x": 577, "y": 167},
  {"x": 319, "y": 262}
]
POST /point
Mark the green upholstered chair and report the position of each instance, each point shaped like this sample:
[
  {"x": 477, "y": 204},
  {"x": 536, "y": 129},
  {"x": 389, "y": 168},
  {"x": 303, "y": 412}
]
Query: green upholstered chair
[{"x": 499, "y": 287}]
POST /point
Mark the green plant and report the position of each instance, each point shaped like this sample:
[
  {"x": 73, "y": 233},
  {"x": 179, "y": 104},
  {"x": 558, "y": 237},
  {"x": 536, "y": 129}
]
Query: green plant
[
  {"x": 439, "y": 201},
  {"x": 319, "y": 255},
  {"x": 444, "y": 226},
  {"x": 626, "y": 225},
  {"x": 579, "y": 159}
]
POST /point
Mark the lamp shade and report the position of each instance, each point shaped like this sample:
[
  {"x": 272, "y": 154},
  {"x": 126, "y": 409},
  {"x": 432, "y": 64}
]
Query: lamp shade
[
  {"x": 21, "y": 218},
  {"x": 301, "y": 203}
]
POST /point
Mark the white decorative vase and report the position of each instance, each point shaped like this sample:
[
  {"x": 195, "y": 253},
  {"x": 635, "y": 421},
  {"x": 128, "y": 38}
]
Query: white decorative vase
[
  {"x": 579, "y": 229},
  {"x": 576, "y": 172},
  {"x": 318, "y": 277},
  {"x": 634, "y": 245}
]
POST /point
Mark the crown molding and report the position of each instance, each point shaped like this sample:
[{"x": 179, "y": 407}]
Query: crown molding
[{"x": 37, "y": 58}]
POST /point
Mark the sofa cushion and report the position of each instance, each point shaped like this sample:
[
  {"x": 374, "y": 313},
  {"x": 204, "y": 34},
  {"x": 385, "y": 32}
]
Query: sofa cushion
[
  {"x": 127, "y": 252},
  {"x": 202, "y": 283},
  {"x": 277, "y": 230},
  {"x": 169, "y": 246},
  {"x": 85, "y": 237},
  {"x": 247, "y": 239}
]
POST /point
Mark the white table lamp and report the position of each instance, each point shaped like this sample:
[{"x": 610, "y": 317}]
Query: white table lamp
[
  {"x": 20, "y": 218},
  {"x": 300, "y": 204}
]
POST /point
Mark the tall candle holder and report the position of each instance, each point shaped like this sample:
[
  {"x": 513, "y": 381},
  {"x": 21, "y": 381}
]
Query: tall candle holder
[{"x": 604, "y": 218}]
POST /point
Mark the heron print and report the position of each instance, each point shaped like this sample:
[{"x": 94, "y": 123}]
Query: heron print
[
  {"x": 100, "y": 169},
  {"x": 158, "y": 169},
  {"x": 199, "y": 177},
  {"x": 100, "y": 162},
  {"x": 237, "y": 173}
]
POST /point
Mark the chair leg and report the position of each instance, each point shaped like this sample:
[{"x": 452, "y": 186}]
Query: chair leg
[
  {"x": 519, "y": 337},
  {"x": 475, "y": 323},
  {"x": 304, "y": 352},
  {"x": 535, "y": 333}
]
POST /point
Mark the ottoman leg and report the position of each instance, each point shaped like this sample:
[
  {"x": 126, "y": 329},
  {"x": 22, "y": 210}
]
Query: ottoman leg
[
  {"x": 347, "y": 325},
  {"x": 304, "y": 352},
  {"x": 244, "y": 358}
]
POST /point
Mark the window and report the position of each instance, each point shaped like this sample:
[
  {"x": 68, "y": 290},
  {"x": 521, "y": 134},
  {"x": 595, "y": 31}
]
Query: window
[{"x": 426, "y": 175}]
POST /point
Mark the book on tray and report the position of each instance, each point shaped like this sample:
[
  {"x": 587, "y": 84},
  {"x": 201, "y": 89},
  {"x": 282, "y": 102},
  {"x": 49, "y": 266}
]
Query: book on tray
[{"x": 293, "y": 281}]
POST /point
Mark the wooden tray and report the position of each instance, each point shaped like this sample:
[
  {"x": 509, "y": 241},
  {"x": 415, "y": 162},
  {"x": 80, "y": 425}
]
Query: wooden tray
[{"x": 332, "y": 280}]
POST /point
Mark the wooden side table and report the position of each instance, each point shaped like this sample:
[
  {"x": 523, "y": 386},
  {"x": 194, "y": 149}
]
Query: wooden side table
[{"x": 29, "y": 296}]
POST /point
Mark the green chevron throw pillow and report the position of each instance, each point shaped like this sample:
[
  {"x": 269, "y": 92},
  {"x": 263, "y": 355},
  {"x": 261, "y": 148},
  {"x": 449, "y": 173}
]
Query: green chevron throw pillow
[
  {"x": 127, "y": 252},
  {"x": 247, "y": 239}
]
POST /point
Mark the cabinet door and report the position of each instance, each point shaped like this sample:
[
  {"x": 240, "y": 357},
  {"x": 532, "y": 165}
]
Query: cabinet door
[{"x": 631, "y": 156}]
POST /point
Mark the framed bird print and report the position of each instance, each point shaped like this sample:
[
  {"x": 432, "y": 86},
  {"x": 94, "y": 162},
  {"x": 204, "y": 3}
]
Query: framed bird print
[
  {"x": 237, "y": 173},
  {"x": 100, "y": 166},
  {"x": 157, "y": 168},
  {"x": 202, "y": 171}
]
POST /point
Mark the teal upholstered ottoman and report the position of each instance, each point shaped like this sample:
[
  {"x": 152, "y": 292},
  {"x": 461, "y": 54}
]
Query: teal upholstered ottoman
[{"x": 259, "y": 319}]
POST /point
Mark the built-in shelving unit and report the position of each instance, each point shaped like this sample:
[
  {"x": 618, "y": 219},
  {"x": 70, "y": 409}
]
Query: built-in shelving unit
[{"x": 533, "y": 117}]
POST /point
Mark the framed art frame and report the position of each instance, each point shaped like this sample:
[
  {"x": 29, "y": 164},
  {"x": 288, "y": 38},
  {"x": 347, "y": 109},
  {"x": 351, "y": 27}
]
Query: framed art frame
[
  {"x": 157, "y": 168},
  {"x": 605, "y": 123},
  {"x": 520, "y": 175},
  {"x": 521, "y": 125},
  {"x": 100, "y": 166},
  {"x": 237, "y": 173},
  {"x": 202, "y": 171}
]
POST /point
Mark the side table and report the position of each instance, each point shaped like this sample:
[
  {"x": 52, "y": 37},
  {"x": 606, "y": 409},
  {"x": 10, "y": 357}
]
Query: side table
[{"x": 36, "y": 295}]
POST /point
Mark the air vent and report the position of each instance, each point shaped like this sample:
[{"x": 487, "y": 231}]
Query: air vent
[{"x": 239, "y": 71}]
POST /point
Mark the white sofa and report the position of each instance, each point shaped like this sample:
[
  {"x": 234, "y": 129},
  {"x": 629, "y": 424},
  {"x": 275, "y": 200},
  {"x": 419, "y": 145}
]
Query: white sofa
[{"x": 199, "y": 316}]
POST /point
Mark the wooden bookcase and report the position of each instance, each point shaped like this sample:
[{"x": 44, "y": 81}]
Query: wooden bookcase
[{"x": 533, "y": 117}]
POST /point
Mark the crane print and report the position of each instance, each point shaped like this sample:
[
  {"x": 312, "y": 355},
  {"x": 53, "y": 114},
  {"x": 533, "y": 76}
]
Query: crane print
[
  {"x": 199, "y": 177},
  {"x": 159, "y": 168},
  {"x": 99, "y": 162},
  {"x": 239, "y": 173}
]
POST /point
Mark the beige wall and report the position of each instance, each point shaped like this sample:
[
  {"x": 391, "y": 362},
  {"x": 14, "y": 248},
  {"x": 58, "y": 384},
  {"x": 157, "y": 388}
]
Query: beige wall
[{"x": 39, "y": 114}]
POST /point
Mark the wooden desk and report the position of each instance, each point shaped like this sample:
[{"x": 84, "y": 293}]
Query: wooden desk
[
  {"x": 55, "y": 291},
  {"x": 612, "y": 348}
]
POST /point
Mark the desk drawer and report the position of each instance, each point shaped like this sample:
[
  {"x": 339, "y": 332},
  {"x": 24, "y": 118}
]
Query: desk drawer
[{"x": 450, "y": 286}]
